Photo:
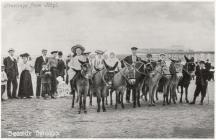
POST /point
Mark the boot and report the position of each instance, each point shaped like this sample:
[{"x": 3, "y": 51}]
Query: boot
[{"x": 194, "y": 100}]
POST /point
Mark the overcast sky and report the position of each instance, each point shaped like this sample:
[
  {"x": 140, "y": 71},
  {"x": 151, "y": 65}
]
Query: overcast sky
[{"x": 113, "y": 26}]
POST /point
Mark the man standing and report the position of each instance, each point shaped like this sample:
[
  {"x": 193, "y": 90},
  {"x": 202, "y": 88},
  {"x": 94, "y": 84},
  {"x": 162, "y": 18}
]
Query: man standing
[
  {"x": 38, "y": 67},
  {"x": 201, "y": 82},
  {"x": 11, "y": 70},
  {"x": 131, "y": 59},
  {"x": 52, "y": 63}
]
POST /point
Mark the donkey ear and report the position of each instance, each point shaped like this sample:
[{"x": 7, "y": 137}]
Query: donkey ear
[
  {"x": 186, "y": 58},
  {"x": 81, "y": 62},
  {"x": 87, "y": 61},
  {"x": 172, "y": 60},
  {"x": 192, "y": 59},
  {"x": 105, "y": 64}
]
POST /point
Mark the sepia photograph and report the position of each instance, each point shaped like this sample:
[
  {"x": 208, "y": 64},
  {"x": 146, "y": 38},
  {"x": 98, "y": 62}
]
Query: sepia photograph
[{"x": 107, "y": 69}]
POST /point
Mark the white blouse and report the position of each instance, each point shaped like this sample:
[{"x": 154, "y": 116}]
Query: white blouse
[{"x": 75, "y": 64}]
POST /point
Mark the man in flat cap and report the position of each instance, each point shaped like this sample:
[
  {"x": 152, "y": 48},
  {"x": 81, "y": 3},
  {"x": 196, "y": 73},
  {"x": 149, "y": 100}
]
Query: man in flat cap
[
  {"x": 202, "y": 75},
  {"x": 11, "y": 70},
  {"x": 38, "y": 67},
  {"x": 52, "y": 64},
  {"x": 131, "y": 59}
]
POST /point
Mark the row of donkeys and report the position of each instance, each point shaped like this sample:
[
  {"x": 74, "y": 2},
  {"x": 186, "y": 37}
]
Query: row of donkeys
[{"x": 145, "y": 78}]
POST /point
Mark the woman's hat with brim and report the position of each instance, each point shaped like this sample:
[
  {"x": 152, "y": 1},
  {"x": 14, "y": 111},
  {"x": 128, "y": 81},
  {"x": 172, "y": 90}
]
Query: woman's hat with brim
[
  {"x": 99, "y": 52},
  {"x": 54, "y": 52},
  {"x": 11, "y": 49},
  {"x": 73, "y": 49},
  {"x": 25, "y": 55},
  {"x": 162, "y": 54}
]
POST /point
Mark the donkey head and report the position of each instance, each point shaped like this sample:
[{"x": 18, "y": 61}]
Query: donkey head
[
  {"x": 176, "y": 67},
  {"x": 86, "y": 70},
  {"x": 190, "y": 65},
  {"x": 110, "y": 72}
]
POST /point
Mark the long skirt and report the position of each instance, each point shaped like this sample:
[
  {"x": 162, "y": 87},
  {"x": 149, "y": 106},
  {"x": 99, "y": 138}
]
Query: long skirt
[{"x": 25, "y": 86}]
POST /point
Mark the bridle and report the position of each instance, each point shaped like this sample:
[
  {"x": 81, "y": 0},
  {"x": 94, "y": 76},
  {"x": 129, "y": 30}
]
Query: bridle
[{"x": 82, "y": 71}]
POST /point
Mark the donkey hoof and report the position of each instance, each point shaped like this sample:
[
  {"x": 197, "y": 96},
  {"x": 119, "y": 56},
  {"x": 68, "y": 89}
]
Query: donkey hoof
[
  {"x": 79, "y": 112},
  {"x": 104, "y": 110},
  {"x": 123, "y": 106},
  {"x": 164, "y": 104},
  {"x": 149, "y": 105},
  {"x": 134, "y": 106},
  {"x": 85, "y": 111},
  {"x": 187, "y": 101},
  {"x": 116, "y": 107},
  {"x": 98, "y": 110},
  {"x": 153, "y": 105},
  {"x": 180, "y": 101}
]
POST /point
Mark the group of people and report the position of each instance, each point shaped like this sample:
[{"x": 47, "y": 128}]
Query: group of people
[{"x": 48, "y": 69}]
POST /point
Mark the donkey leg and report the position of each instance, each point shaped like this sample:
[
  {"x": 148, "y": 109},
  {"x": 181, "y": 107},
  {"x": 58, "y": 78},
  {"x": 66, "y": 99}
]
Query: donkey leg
[
  {"x": 103, "y": 104},
  {"x": 73, "y": 99},
  {"x": 80, "y": 103},
  {"x": 122, "y": 102},
  {"x": 156, "y": 95},
  {"x": 84, "y": 103},
  {"x": 138, "y": 98},
  {"x": 90, "y": 102},
  {"x": 116, "y": 105},
  {"x": 181, "y": 94},
  {"x": 134, "y": 98},
  {"x": 186, "y": 94},
  {"x": 98, "y": 103},
  {"x": 150, "y": 96},
  {"x": 111, "y": 103}
]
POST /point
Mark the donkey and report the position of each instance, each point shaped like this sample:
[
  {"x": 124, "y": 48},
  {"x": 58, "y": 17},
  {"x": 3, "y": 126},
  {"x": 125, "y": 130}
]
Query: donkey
[
  {"x": 136, "y": 76},
  {"x": 82, "y": 85},
  {"x": 102, "y": 81},
  {"x": 151, "y": 82},
  {"x": 176, "y": 72},
  {"x": 120, "y": 81},
  {"x": 184, "y": 82}
]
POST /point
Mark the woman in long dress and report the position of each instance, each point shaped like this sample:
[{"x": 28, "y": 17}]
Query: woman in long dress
[{"x": 25, "y": 85}]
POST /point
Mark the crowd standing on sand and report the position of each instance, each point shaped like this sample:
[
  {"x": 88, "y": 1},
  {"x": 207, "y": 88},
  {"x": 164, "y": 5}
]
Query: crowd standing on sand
[{"x": 103, "y": 74}]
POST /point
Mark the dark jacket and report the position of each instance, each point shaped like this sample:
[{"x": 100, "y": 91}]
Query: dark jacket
[
  {"x": 61, "y": 67},
  {"x": 38, "y": 64},
  {"x": 11, "y": 68},
  {"x": 128, "y": 59},
  {"x": 201, "y": 76},
  {"x": 208, "y": 65}
]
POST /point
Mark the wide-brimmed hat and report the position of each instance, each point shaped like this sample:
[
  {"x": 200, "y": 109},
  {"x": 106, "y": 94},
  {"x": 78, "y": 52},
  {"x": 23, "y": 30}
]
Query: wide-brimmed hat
[
  {"x": 11, "y": 49},
  {"x": 24, "y": 55},
  {"x": 73, "y": 49},
  {"x": 54, "y": 52},
  {"x": 99, "y": 52},
  {"x": 134, "y": 48}
]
